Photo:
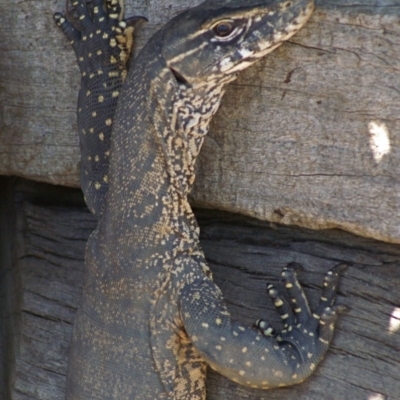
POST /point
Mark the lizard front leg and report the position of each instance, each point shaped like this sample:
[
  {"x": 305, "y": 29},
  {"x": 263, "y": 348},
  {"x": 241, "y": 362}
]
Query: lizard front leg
[
  {"x": 102, "y": 46},
  {"x": 257, "y": 357}
]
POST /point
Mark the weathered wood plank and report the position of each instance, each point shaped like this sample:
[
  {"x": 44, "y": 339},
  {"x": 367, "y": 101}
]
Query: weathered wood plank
[
  {"x": 309, "y": 136},
  {"x": 244, "y": 255}
]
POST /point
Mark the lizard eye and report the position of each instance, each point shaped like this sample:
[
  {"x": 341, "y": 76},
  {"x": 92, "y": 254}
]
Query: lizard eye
[{"x": 224, "y": 29}]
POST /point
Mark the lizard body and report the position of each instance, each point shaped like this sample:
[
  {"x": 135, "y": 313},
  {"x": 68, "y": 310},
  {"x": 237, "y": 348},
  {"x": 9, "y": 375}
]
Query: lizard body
[{"x": 150, "y": 317}]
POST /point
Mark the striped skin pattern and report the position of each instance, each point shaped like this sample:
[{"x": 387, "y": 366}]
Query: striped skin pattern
[{"x": 150, "y": 318}]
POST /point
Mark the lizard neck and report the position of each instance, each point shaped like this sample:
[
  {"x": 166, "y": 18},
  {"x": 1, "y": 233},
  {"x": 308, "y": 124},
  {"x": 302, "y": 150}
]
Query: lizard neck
[
  {"x": 160, "y": 127},
  {"x": 192, "y": 110}
]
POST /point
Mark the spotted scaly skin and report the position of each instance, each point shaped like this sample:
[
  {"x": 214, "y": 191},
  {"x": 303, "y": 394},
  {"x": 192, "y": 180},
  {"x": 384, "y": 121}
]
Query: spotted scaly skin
[
  {"x": 150, "y": 317},
  {"x": 102, "y": 48}
]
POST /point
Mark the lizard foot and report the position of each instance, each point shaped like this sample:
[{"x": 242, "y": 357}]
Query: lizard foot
[
  {"x": 298, "y": 321},
  {"x": 103, "y": 38}
]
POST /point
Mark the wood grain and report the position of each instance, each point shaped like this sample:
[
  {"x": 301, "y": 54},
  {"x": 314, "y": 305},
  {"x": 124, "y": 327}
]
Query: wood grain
[
  {"x": 41, "y": 277},
  {"x": 309, "y": 136}
]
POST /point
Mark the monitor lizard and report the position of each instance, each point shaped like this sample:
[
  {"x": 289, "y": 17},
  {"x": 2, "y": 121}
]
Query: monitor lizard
[{"x": 150, "y": 318}]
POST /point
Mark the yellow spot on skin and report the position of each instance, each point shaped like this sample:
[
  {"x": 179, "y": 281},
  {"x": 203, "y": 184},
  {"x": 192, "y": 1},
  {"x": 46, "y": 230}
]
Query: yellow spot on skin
[
  {"x": 218, "y": 347},
  {"x": 294, "y": 376},
  {"x": 84, "y": 38},
  {"x": 121, "y": 39},
  {"x": 123, "y": 56},
  {"x": 96, "y": 158},
  {"x": 196, "y": 296},
  {"x": 241, "y": 373},
  {"x": 113, "y": 60},
  {"x": 113, "y": 74},
  {"x": 288, "y": 285},
  {"x": 248, "y": 364},
  {"x": 80, "y": 58},
  {"x": 109, "y": 122},
  {"x": 101, "y": 136},
  {"x": 105, "y": 35},
  {"x": 101, "y": 99},
  {"x": 115, "y": 93},
  {"x": 88, "y": 93},
  {"x": 244, "y": 350},
  {"x": 99, "y": 72},
  {"x": 204, "y": 325},
  {"x": 99, "y": 52},
  {"x": 218, "y": 321},
  {"x": 91, "y": 130},
  {"x": 97, "y": 185},
  {"x": 94, "y": 114}
]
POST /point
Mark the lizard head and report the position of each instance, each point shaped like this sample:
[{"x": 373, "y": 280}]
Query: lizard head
[{"x": 219, "y": 38}]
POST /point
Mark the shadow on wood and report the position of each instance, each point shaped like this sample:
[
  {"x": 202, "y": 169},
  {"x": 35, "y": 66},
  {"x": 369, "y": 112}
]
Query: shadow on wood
[{"x": 44, "y": 230}]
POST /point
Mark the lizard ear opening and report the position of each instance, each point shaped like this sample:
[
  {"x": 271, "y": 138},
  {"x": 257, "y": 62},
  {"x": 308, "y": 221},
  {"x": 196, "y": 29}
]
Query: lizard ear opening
[{"x": 179, "y": 77}]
